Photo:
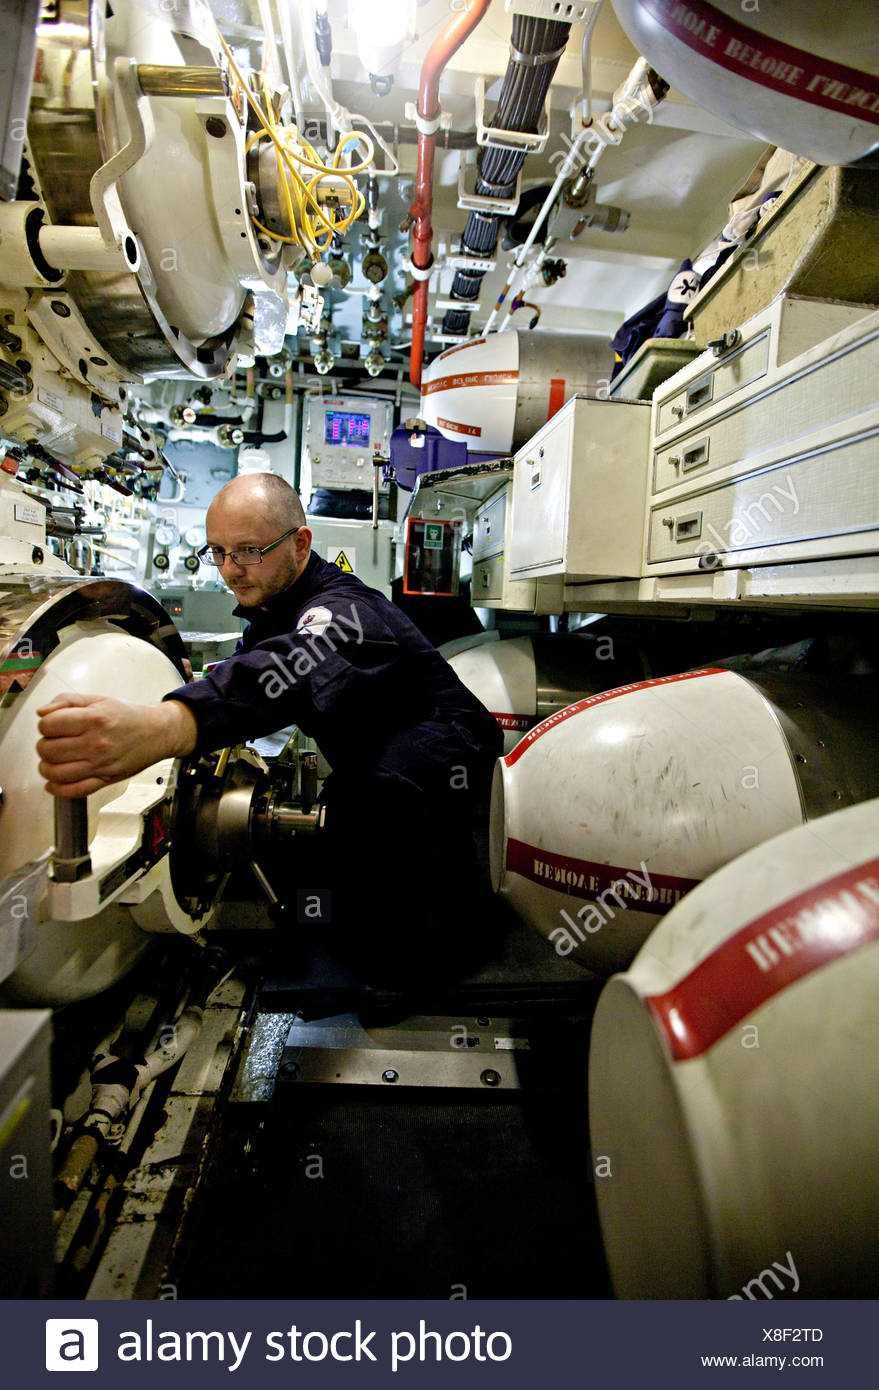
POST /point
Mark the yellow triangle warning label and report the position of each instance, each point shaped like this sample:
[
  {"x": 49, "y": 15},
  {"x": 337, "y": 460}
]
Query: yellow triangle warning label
[{"x": 343, "y": 562}]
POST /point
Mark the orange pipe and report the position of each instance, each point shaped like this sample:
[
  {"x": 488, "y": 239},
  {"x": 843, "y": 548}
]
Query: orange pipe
[{"x": 459, "y": 27}]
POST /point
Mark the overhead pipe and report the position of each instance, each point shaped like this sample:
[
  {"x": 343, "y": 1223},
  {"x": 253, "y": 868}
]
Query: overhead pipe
[
  {"x": 586, "y": 65},
  {"x": 535, "y": 50},
  {"x": 459, "y": 28}
]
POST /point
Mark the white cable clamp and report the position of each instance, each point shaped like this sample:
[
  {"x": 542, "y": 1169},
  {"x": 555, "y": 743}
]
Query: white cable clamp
[
  {"x": 427, "y": 125},
  {"x": 416, "y": 271}
]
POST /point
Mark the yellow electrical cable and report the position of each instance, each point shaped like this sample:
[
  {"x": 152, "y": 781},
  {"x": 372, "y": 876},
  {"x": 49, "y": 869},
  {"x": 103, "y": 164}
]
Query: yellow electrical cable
[
  {"x": 311, "y": 222},
  {"x": 357, "y": 201}
]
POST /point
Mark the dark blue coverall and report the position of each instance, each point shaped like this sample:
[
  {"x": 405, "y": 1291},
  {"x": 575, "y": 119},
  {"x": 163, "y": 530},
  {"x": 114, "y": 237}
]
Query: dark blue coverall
[{"x": 412, "y": 751}]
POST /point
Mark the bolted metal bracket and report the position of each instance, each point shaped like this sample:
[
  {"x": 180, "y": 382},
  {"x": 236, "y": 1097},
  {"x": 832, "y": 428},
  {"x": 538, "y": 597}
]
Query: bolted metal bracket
[{"x": 494, "y": 136}]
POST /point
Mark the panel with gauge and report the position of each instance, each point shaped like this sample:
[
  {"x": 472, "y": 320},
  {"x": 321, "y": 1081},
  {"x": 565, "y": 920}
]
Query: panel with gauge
[
  {"x": 165, "y": 537},
  {"x": 340, "y": 435},
  {"x": 194, "y": 537}
]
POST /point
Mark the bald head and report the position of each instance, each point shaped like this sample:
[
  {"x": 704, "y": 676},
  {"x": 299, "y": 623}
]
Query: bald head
[
  {"x": 270, "y": 495},
  {"x": 259, "y": 509}
]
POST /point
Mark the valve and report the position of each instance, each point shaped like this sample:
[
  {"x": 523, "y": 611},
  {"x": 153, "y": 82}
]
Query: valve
[
  {"x": 341, "y": 271},
  {"x": 375, "y": 267},
  {"x": 230, "y": 436},
  {"x": 553, "y": 271},
  {"x": 578, "y": 191}
]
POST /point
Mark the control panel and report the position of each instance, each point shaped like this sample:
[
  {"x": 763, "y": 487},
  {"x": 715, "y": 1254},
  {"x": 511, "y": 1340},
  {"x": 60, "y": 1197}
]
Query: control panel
[{"x": 340, "y": 435}]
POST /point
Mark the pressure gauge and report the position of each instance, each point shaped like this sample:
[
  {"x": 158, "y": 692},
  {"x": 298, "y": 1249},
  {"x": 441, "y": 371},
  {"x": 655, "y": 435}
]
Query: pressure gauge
[
  {"x": 166, "y": 533},
  {"x": 195, "y": 537}
]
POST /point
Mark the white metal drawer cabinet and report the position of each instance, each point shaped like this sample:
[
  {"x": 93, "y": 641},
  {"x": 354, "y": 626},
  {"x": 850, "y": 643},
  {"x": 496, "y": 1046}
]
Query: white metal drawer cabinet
[
  {"x": 488, "y": 530},
  {"x": 829, "y": 494},
  {"x": 722, "y": 377},
  {"x": 487, "y": 583},
  {"x": 816, "y": 390},
  {"x": 491, "y": 583},
  {"x": 764, "y": 349},
  {"x": 579, "y": 493}
]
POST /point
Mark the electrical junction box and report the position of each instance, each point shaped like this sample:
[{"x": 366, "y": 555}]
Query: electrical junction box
[
  {"x": 340, "y": 435},
  {"x": 433, "y": 557},
  {"x": 356, "y": 548},
  {"x": 479, "y": 496},
  {"x": 579, "y": 493}
]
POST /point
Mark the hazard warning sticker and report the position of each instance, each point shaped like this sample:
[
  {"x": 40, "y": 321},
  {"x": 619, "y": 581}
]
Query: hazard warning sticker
[{"x": 344, "y": 559}]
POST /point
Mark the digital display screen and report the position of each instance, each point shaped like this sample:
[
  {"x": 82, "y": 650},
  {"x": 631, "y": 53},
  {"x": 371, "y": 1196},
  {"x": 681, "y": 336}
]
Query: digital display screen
[{"x": 346, "y": 427}]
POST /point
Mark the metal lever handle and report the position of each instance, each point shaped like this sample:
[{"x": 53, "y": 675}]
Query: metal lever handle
[
  {"x": 308, "y": 780},
  {"x": 271, "y": 896},
  {"x": 71, "y": 860},
  {"x": 281, "y": 913}
]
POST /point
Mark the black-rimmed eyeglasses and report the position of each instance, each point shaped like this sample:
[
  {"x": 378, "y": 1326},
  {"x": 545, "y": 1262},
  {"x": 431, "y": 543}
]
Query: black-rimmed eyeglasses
[{"x": 244, "y": 555}]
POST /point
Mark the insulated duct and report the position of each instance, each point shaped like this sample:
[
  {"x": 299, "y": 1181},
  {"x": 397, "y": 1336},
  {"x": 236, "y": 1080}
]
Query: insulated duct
[{"x": 535, "y": 50}]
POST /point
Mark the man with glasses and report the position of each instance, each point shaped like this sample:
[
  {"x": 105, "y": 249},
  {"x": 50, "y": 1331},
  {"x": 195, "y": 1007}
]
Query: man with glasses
[{"x": 410, "y": 747}]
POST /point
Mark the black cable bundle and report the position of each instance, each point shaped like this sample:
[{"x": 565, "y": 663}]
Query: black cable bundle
[{"x": 523, "y": 97}]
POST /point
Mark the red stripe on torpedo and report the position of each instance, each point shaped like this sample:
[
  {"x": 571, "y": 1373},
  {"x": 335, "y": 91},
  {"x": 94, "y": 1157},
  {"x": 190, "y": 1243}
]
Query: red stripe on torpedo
[
  {"x": 561, "y": 715},
  {"x": 762, "y": 59},
  {"x": 768, "y": 955}
]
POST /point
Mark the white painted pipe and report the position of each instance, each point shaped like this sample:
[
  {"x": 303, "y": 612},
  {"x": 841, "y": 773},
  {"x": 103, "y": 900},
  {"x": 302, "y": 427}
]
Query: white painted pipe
[
  {"x": 80, "y": 248},
  {"x": 568, "y": 166},
  {"x": 586, "y": 63},
  {"x": 338, "y": 118}
]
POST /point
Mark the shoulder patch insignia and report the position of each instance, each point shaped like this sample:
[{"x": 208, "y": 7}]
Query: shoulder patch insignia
[{"x": 314, "y": 621}]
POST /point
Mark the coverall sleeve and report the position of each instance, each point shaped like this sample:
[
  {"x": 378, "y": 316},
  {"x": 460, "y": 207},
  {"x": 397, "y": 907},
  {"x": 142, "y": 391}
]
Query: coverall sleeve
[{"x": 351, "y": 667}]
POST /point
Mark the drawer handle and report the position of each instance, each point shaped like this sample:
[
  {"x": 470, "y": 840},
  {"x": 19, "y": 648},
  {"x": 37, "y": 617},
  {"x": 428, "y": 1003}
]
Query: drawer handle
[
  {"x": 699, "y": 395},
  {"x": 697, "y": 455},
  {"x": 678, "y": 410},
  {"x": 688, "y": 528}
]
